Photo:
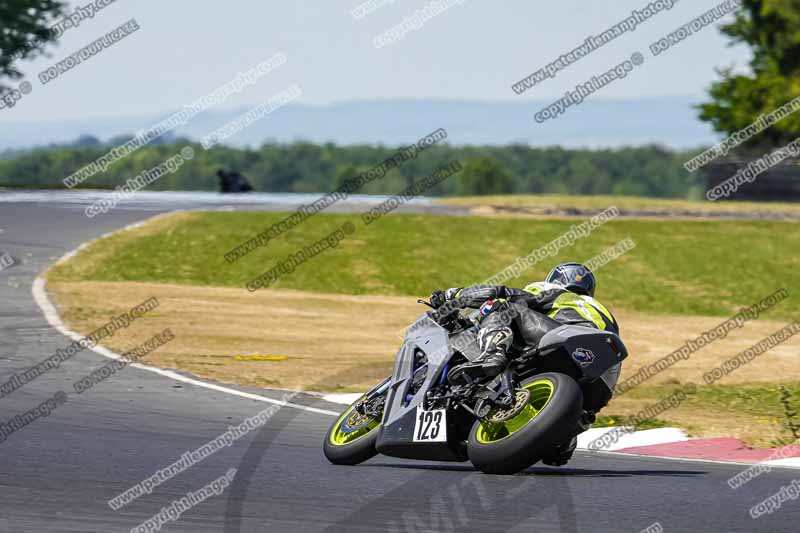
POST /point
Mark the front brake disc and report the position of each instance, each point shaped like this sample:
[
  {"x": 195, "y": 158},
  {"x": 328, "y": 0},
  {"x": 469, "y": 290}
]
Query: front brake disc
[{"x": 501, "y": 414}]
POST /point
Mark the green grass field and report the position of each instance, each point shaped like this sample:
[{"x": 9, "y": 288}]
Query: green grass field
[{"x": 700, "y": 267}]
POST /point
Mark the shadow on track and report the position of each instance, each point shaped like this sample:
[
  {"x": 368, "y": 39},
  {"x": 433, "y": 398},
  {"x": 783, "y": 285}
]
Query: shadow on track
[
  {"x": 545, "y": 471},
  {"x": 429, "y": 501}
]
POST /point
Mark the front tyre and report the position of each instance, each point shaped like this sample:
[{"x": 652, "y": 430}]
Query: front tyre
[
  {"x": 351, "y": 439},
  {"x": 550, "y": 416}
]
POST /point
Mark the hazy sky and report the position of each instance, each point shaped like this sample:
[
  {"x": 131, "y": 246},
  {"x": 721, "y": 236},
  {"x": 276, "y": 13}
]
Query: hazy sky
[{"x": 474, "y": 50}]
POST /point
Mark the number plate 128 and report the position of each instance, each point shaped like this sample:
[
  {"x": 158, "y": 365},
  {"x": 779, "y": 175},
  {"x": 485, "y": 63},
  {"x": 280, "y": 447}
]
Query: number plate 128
[{"x": 431, "y": 426}]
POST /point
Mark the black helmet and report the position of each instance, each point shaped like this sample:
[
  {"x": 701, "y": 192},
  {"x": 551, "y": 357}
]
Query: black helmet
[{"x": 574, "y": 277}]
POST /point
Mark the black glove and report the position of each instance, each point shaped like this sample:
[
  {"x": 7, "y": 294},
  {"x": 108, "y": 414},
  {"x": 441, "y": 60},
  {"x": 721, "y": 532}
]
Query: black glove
[{"x": 438, "y": 299}]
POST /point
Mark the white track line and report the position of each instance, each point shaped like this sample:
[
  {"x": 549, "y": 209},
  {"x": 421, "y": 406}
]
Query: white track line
[{"x": 39, "y": 291}]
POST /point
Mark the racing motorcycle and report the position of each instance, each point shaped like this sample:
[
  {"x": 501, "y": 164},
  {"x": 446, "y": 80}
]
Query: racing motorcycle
[{"x": 502, "y": 426}]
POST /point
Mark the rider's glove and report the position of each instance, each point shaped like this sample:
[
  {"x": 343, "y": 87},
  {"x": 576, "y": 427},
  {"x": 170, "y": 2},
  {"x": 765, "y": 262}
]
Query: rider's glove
[{"x": 439, "y": 298}]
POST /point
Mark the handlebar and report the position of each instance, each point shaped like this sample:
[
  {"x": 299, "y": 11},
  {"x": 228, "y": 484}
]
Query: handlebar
[{"x": 425, "y": 302}]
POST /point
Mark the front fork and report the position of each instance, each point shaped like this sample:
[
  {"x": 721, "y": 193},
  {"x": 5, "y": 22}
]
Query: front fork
[
  {"x": 379, "y": 389},
  {"x": 376, "y": 392}
]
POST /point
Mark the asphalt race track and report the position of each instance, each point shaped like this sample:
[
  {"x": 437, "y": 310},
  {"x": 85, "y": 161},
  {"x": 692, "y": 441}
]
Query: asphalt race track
[{"x": 58, "y": 473}]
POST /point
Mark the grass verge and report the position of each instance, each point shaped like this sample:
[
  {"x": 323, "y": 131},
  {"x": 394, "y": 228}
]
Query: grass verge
[{"x": 709, "y": 268}]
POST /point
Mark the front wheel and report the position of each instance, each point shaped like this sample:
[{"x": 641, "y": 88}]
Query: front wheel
[
  {"x": 550, "y": 416},
  {"x": 351, "y": 439}
]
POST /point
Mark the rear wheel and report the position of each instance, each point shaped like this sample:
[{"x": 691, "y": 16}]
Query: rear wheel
[
  {"x": 552, "y": 409},
  {"x": 351, "y": 439}
]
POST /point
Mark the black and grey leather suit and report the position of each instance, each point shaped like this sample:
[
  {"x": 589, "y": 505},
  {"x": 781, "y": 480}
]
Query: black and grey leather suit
[{"x": 535, "y": 310}]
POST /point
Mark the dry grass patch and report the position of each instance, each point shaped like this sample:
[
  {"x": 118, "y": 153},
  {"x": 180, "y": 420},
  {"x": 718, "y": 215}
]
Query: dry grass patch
[
  {"x": 322, "y": 334},
  {"x": 355, "y": 339},
  {"x": 651, "y": 337},
  {"x": 544, "y": 204},
  {"x": 325, "y": 333}
]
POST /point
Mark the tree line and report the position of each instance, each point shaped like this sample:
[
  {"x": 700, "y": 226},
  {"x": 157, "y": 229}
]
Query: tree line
[{"x": 303, "y": 167}]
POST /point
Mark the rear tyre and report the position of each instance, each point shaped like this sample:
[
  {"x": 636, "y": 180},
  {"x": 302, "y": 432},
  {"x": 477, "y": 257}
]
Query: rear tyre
[
  {"x": 550, "y": 417},
  {"x": 351, "y": 439}
]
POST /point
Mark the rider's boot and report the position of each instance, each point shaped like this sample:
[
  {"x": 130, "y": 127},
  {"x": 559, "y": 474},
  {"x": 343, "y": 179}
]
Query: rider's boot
[
  {"x": 563, "y": 452},
  {"x": 492, "y": 361},
  {"x": 484, "y": 368}
]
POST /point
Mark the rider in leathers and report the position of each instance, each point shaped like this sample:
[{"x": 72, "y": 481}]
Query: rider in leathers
[{"x": 565, "y": 297}]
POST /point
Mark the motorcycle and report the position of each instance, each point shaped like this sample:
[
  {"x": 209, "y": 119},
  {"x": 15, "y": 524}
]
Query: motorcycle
[{"x": 502, "y": 426}]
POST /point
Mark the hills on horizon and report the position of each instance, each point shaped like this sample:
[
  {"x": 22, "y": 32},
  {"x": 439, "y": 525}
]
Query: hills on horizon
[{"x": 669, "y": 121}]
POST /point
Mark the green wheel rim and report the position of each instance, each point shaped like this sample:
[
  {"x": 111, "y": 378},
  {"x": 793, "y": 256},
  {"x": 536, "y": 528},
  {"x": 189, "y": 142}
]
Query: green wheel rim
[
  {"x": 541, "y": 393},
  {"x": 350, "y": 428}
]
